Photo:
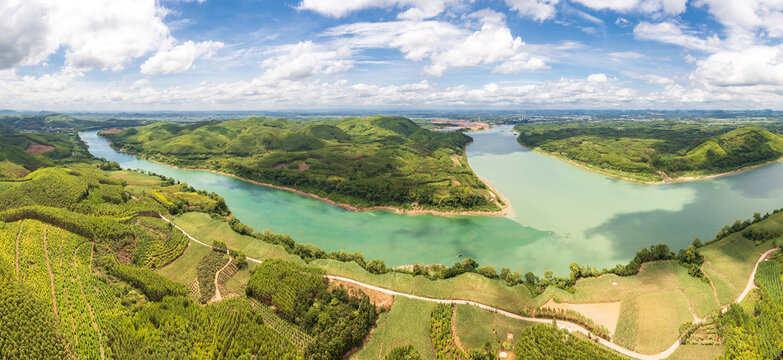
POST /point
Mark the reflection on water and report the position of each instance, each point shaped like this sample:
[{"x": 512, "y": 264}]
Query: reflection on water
[
  {"x": 561, "y": 213},
  {"x": 611, "y": 219}
]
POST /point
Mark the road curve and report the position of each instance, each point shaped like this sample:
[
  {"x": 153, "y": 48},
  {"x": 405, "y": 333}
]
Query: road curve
[{"x": 571, "y": 327}]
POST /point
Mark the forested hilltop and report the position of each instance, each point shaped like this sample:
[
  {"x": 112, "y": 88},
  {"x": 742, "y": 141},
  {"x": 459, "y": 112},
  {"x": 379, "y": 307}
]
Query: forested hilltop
[
  {"x": 656, "y": 151},
  {"x": 377, "y": 161}
]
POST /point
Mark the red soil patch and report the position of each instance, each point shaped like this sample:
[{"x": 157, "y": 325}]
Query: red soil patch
[
  {"x": 377, "y": 298},
  {"x": 38, "y": 149},
  {"x": 112, "y": 131}
]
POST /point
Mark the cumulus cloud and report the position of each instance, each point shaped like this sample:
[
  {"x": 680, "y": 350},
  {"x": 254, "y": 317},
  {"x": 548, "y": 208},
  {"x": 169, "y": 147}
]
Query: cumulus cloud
[
  {"x": 417, "y": 9},
  {"x": 102, "y": 34},
  {"x": 536, "y": 9},
  {"x": 644, "y": 6},
  {"x": 671, "y": 33},
  {"x": 444, "y": 44},
  {"x": 16, "y": 91},
  {"x": 756, "y": 66},
  {"x": 24, "y": 34},
  {"x": 179, "y": 58},
  {"x": 305, "y": 59}
]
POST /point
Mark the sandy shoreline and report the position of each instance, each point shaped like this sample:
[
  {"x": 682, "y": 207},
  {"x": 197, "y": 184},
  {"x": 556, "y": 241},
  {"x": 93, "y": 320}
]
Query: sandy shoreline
[
  {"x": 502, "y": 211},
  {"x": 669, "y": 181}
]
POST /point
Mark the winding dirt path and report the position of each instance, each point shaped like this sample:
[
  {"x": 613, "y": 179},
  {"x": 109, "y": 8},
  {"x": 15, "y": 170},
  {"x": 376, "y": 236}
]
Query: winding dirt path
[
  {"x": 51, "y": 277},
  {"x": 561, "y": 324},
  {"x": 217, "y": 296},
  {"x": 84, "y": 296},
  {"x": 750, "y": 284},
  {"x": 454, "y": 331}
]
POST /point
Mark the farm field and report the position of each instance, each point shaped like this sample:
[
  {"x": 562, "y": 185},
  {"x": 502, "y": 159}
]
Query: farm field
[{"x": 406, "y": 323}]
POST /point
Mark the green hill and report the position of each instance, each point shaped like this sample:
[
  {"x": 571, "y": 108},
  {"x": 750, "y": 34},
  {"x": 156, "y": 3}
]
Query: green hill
[
  {"x": 21, "y": 153},
  {"x": 60, "y": 122},
  {"x": 377, "y": 161},
  {"x": 654, "y": 151}
]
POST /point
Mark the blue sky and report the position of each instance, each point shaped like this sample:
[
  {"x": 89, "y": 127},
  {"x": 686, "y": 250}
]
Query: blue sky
[{"x": 409, "y": 54}]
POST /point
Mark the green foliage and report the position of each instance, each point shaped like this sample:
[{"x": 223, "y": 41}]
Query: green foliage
[
  {"x": 753, "y": 336},
  {"x": 403, "y": 353},
  {"x": 289, "y": 287},
  {"x": 27, "y": 329},
  {"x": 548, "y": 343},
  {"x": 59, "y": 122},
  {"x": 641, "y": 150},
  {"x": 770, "y": 277},
  {"x": 441, "y": 335},
  {"x": 378, "y": 161},
  {"x": 154, "y": 286},
  {"x": 336, "y": 320},
  {"x": 206, "y": 270},
  {"x": 178, "y": 329}
]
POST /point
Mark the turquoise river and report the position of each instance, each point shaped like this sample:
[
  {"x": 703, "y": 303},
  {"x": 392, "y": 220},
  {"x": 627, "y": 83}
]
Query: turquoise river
[{"x": 559, "y": 213}]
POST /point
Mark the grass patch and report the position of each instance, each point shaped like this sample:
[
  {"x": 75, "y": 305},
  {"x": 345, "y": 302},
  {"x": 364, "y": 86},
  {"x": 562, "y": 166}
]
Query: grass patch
[
  {"x": 625, "y": 334},
  {"x": 408, "y": 322},
  {"x": 660, "y": 317},
  {"x": 206, "y": 229},
  {"x": 696, "y": 352},
  {"x": 699, "y": 293},
  {"x": 475, "y": 326},
  {"x": 183, "y": 270}
]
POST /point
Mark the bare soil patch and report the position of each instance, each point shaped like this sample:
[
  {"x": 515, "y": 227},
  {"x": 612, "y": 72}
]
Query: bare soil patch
[
  {"x": 112, "y": 131},
  {"x": 378, "y": 298},
  {"x": 38, "y": 149},
  {"x": 605, "y": 314}
]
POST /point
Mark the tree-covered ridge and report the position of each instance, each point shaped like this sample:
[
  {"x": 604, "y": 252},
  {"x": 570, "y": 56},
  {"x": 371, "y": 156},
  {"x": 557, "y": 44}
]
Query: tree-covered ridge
[
  {"x": 337, "y": 320},
  {"x": 60, "y": 122},
  {"x": 83, "y": 245},
  {"x": 23, "y": 152},
  {"x": 654, "y": 151},
  {"x": 377, "y": 161}
]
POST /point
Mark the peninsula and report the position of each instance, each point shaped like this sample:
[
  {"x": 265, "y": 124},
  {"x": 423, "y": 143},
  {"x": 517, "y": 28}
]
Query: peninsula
[{"x": 360, "y": 164}]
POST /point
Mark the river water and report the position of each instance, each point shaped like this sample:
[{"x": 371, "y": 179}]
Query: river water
[{"x": 559, "y": 213}]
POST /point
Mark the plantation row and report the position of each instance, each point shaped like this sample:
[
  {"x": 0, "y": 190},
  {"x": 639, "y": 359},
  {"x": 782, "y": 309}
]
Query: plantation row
[
  {"x": 546, "y": 342},
  {"x": 336, "y": 320}
]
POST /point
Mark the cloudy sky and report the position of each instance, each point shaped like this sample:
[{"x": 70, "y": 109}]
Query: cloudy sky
[{"x": 109, "y": 55}]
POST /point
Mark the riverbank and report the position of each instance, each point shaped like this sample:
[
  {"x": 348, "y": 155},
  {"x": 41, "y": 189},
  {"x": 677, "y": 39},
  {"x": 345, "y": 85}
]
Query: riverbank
[
  {"x": 501, "y": 212},
  {"x": 667, "y": 179}
]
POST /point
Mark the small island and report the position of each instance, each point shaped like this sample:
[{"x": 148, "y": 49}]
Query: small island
[
  {"x": 655, "y": 152},
  {"x": 376, "y": 163}
]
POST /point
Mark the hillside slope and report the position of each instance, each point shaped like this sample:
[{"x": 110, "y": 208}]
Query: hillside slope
[
  {"x": 377, "y": 161},
  {"x": 654, "y": 151}
]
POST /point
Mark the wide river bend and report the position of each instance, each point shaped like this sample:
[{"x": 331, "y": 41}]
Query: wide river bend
[{"x": 559, "y": 213}]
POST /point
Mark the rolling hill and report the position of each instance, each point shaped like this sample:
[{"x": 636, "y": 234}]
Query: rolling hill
[{"x": 377, "y": 161}]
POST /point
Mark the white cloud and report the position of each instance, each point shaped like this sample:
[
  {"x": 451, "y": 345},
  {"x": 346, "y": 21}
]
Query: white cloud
[
  {"x": 746, "y": 14},
  {"x": 759, "y": 65},
  {"x": 300, "y": 61},
  {"x": 417, "y": 9},
  {"x": 537, "y": 9},
  {"x": 644, "y": 6},
  {"x": 625, "y": 55},
  {"x": 597, "y": 78},
  {"x": 444, "y": 44},
  {"x": 103, "y": 34},
  {"x": 668, "y": 32},
  {"x": 179, "y": 58},
  {"x": 24, "y": 35},
  {"x": 28, "y": 92}
]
